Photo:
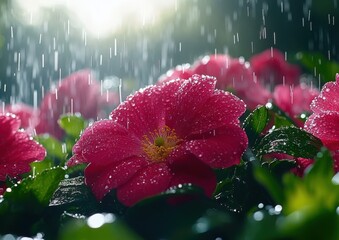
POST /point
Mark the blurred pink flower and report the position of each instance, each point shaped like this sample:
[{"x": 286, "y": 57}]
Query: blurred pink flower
[
  {"x": 76, "y": 93},
  {"x": 27, "y": 115},
  {"x": 17, "y": 148},
  {"x": 232, "y": 74},
  {"x": 163, "y": 136},
  {"x": 324, "y": 122},
  {"x": 294, "y": 100},
  {"x": 271, "y": 68},
  {"x": 181, "y": 71}
]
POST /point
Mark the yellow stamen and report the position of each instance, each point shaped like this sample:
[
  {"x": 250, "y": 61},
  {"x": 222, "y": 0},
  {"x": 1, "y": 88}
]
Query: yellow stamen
[{"x": 160, "y": 143}]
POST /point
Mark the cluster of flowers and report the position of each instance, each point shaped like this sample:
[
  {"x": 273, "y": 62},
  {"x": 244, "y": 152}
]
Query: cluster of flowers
[{"x": 177, "y": 131}]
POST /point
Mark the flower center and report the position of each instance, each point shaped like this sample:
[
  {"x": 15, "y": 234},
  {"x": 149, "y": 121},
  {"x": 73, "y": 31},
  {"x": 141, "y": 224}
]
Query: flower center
[{"x": 159, "y": 143}]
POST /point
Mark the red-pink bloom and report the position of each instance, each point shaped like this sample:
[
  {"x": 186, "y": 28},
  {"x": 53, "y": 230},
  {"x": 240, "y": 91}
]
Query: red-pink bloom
[
  {"x": 271, "y": 68},
  {"x": 294, "y": 100},
  {"x": 163, "y": 136},
  {"x": 232, "y": 74},
  {"x": 27, "y": 114},
  {"x": 181, "y": 71},
  {"x": 17, "y": 148},
  {"x": 324, "y": 122},
  {"x": 76, "y": 93}
]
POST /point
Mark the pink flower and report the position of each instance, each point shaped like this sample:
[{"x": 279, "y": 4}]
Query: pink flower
[
  {"x": 163, "y": 136},
  {"x": 181, "y": 71},
  {"x": 27, "y": 115},
  {"x": 294, "y": 100},
  {"x": 271, "y": 68},
  {"x": 76, "y": 93},
  {"x": 324, "y": 122},
  {"x": 232, "y": 74},
  {"x": 17, "y": 148}
]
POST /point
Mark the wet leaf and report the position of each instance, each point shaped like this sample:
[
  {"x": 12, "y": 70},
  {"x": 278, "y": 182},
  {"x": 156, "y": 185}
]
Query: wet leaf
[
  {"x": 23, "y": 205},
  {"x": 289, "y": 140},
  {"x": 72, "y": 124},
  {"x": 257, "y": 120},
  {"x": 53, "y": 146}
]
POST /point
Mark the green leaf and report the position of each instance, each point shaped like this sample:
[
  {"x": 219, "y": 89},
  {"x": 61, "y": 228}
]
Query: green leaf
[
  {"x": 270, "y": 182},
  {"x": 281, "y": 119},
  {"x": 289, "y": 140},
  {"x": 97, "y": 226},
  {"x": 41, "y": 187},
  {"x": 72, "y": 124},
  {"x": 40, "y": 166},
  {"x": 312, "y": 201},
  {"x": 320, "y": 66},
  {"x": 256, "y": 120},
  {"x": 23, "y": 206},
  {"x": 53, "y": 146}
]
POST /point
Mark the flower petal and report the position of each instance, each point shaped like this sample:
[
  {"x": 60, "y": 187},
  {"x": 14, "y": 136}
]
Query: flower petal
[
  {"x": 103, "y": 179},
  {"x": 207, "y": 117},
  {"x": 183, "y": 100},
  {"x": 9, "y": 123},
  {"x": 328, "y": 100},
  {"x": 142, "y": 112},
  {"x": 221, "y": 148},
  {"x": 103, "y": 143},
  {"x": 192, "y": 170},
  {"x": 149, "y": 181},
  {"x": 326, "y": 127},
  {"x": 20, "y": 149}
]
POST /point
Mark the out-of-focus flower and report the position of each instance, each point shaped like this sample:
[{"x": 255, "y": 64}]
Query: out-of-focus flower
[
  {"x": 27, "y": 114},
  {"x": 163, "y": 136},
  {"x": 271, "y": 68},
  {"x": 232, "y": 74},
  {"x": 17, "y": 148},
  {"x": 294, "y": 100},
  {"x": 78, "y": 92},
  {"x": 324, "y": 122},
  {"x": 181, "y": 71}
]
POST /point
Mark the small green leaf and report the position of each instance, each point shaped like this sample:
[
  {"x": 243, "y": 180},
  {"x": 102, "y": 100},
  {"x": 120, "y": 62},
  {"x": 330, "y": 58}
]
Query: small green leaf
[
  {"x": 257, "y": 120},
  {"x": 281, "y": 119},
  {"x": 53, "y": 146},
  {"x": 289, "y": 140},
  {"x": 40, "y": 166},
  {"x": 41, "y": 187},
  {"x": 24, "y": 204},
  {"x": 72, "y": 124}
]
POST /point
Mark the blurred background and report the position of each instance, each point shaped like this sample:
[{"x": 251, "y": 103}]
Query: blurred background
[{"x": 130, "y": 43}]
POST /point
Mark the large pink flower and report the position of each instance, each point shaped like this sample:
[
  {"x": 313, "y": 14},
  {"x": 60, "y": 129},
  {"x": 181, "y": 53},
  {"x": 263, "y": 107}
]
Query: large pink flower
[
  {"x": 324, "y": 122},
  {"x": 272, "y": 69},
  {"x": 163, "y": 136},
  {"x": 76, "y": 93},
  {"x": 17, "y": 148}
]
